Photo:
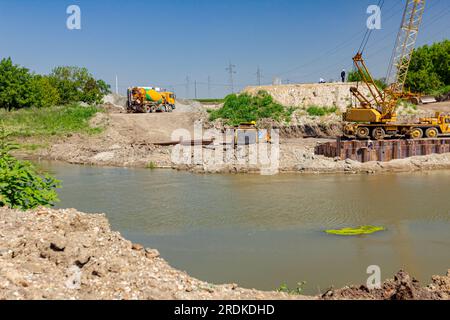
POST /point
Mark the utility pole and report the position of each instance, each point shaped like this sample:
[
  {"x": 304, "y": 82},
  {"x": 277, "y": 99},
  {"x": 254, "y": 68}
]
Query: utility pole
[
  {"x": 117, "y": 85},
  {"x": 259, "y": 76},
  {"x": 188, "y": 89},
  {"x": 231, "y": 72},
  {"x": 195, "y": 85},
  {"x": 209, "y": 87}
]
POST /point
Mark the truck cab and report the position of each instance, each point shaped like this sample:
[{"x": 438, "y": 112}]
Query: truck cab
[
  {"x": 169, "y": 98},
  {"x": 440, "y": 121}
]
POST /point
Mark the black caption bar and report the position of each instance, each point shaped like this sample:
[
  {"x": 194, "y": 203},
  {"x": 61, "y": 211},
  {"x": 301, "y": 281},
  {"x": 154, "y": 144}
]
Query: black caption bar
[{"x": 186, "y": 310}]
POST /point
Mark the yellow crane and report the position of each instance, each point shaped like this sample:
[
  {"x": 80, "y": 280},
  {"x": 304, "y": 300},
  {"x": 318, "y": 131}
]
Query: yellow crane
[{"x": 375, "y": 116}]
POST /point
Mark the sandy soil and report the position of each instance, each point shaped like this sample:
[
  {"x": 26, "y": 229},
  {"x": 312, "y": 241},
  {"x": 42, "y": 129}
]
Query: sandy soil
[
  {"x": 66, "y": 254},
  {"x": 439, "y": 106}
]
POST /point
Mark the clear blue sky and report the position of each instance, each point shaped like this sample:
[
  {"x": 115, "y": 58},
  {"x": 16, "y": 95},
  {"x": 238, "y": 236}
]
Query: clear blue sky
[{"x": 148, "y": 42}]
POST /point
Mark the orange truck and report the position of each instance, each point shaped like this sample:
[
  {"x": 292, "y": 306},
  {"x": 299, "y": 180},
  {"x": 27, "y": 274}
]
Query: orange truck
[{"x": 149, "y": 100}]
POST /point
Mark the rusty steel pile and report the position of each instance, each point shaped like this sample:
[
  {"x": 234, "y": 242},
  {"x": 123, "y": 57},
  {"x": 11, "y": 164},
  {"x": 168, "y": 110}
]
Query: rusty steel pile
[{"x": 383, "y": 150}]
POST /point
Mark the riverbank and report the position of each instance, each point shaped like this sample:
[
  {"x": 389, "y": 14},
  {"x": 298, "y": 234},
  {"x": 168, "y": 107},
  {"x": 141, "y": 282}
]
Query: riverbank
[
  {"x": 296, "y": 155},
  {"x": 134, "y": 140},
  {"x": 66, "y": 254}
]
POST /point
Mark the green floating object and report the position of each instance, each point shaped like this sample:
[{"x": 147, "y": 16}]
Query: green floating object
[{"x": 356, "y": 231}]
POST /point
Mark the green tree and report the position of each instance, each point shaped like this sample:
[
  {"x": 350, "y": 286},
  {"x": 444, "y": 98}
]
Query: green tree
[
  {"x": 44, "y": 94},
  {"x": 429, "y": 70},
  {"x": 15, "y": 86},
  {"x": 21, "y": 185},
  {"x": 76, "y": 84}
]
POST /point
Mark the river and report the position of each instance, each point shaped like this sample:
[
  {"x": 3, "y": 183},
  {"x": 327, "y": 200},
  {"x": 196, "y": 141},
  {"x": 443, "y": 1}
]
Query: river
[{"x": 265, "y": 231}]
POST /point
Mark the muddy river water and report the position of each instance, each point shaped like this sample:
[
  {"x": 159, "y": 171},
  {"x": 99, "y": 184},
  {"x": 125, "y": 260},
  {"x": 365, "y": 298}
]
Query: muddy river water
[{"x": 264, "y": 231}]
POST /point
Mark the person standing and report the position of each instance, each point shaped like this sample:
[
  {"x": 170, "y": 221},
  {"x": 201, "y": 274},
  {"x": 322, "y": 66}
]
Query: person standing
[{"x": 343, "y": 75}]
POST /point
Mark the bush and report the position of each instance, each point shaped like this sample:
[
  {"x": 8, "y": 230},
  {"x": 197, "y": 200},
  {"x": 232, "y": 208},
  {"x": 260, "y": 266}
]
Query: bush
[
  {"x": 21, "y": 185},
  {"x": 244, "y": 108},
  {"x": 316, "y": 111}
]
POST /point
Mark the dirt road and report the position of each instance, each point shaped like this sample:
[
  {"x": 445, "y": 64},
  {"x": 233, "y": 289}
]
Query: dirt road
[{"x": 152, "y": 128}]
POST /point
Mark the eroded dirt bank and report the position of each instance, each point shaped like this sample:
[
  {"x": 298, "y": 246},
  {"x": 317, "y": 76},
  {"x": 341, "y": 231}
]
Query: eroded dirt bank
[{"x": 66, "y": 254}]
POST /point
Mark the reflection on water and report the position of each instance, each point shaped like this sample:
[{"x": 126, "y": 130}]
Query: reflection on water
[{"x": 262, "y": 231}]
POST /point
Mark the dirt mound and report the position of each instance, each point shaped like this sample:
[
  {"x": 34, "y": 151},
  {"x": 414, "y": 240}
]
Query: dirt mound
[
  {"x": 115, "y": 99},
  {"x": 65, "y": 254},
  {"x": 402, "y": 287},
  {"x": 304, "y": 95}
]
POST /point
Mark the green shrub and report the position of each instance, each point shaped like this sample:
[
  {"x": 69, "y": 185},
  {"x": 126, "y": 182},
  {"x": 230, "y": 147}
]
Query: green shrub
[
  {"x": 297, "y": 291},
  {"x": 243, "y": 108},
  {"x": 151, "y": 165},
  {"x": 21, "y": 185},
  {"x": 316, "y": 111}
]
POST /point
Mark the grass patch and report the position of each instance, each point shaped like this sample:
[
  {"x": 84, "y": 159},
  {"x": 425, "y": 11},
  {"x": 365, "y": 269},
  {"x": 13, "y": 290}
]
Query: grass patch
[
  {"x": 210, "y": 101},
  {"x": 297, "y": 291},
  {"x": 52, "y": 121},
  {"x": 31, "y": 146},
  {"x": 356, "y": 231},
  {"x": 245, "y": 108},
  {"x": 151, "y": 165},
  {"x": 316, "y": 111}
]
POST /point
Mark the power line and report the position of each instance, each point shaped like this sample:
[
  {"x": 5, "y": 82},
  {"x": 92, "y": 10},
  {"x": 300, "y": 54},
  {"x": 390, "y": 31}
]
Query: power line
[
  {"x": 340, "y": 46},
  {"x": 195, "y": 86},
  {"x": 209, "y": 87},
  {"x": 231, "y": 72},
  {"x": 188, "y": 89},
  {"x": 328, "y": 68}
]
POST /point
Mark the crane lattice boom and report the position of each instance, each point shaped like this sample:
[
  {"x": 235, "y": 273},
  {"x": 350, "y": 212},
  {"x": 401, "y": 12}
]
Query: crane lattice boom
[{"x": 404, "y": 48}]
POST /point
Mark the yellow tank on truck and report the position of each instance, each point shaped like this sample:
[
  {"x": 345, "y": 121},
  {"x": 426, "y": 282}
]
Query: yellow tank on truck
[{"x": 150, "y": 95}]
